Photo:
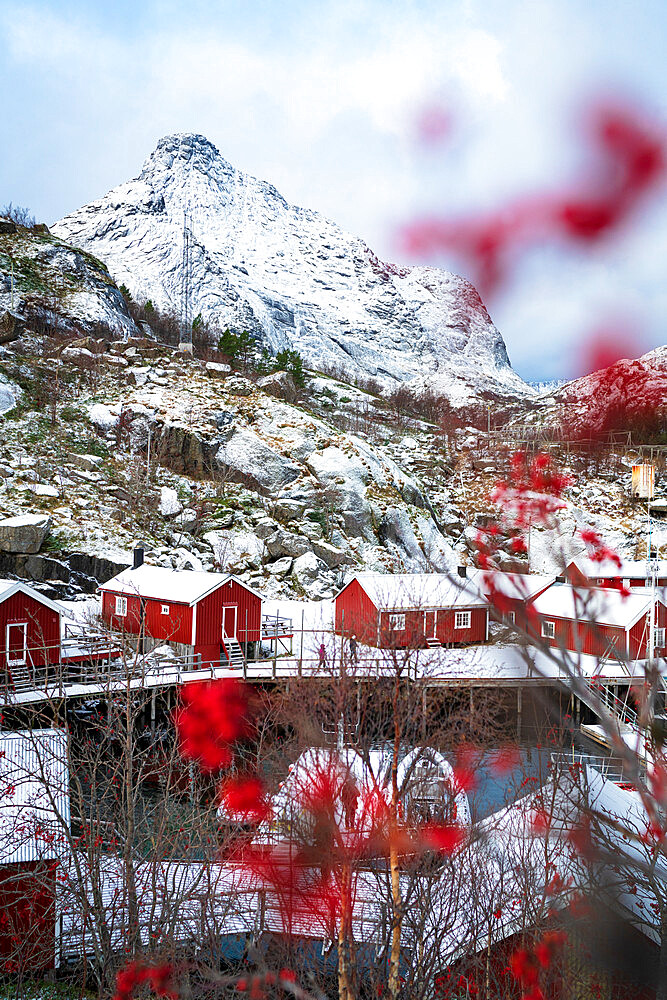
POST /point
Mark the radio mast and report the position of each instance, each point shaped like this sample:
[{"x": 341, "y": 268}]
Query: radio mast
[{"x": 185, "y": 342}]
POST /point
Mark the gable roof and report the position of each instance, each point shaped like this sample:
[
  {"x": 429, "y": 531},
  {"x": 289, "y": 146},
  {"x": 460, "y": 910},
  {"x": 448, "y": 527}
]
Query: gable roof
[
  {"x": 515, "y": 586},
  {"x": 604, "y": 606},
  {"x": 418, "y": 591},
  {"x": 630, "y": 569},
  {"x": 181, "y": 586},
  {"x": 10, "y": 587}
]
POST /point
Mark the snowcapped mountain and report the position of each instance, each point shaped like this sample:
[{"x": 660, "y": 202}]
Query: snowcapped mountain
[{"x": 291, "y": 277}]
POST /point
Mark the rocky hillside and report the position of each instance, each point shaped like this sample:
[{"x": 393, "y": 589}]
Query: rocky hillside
[
  {"x": 50, "y": 284},
  {"x": 289, "y": 276},
  {"x": 132, "y": 441}
]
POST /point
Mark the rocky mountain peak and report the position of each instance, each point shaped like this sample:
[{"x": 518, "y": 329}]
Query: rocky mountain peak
[{"x": 291, "y": 277}]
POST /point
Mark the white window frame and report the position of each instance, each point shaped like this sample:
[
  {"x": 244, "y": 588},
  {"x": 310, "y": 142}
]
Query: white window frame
[
  {"x": 165, "y": 609},
  {"x": 24, "y": 659},
  {"x": 548, "y": 630},
  {"x": 397, "y": 621},
  {"x": 658, "y": 638},
  {"x": 510, "y": 617},
  {"x": 120, "y": 610},
  {"x": 462, "y": 619}
]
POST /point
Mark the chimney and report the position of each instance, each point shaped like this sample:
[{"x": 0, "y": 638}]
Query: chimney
[
  {"x": 138, "y": 557},
  {"x": 462, "y": 571}
]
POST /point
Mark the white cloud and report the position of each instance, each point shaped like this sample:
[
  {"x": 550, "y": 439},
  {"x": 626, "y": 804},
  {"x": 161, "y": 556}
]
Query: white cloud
[{"x": 322, "y": 106}]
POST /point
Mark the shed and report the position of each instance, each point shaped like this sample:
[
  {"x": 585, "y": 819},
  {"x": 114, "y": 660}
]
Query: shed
[
  {"x": 34, "y": 823},
  {"x": 204, "y": 615},
  {"x": 30, "y": 629},
  {"x": 599, "y": 621},
  {"x": 412, "y": 609}
]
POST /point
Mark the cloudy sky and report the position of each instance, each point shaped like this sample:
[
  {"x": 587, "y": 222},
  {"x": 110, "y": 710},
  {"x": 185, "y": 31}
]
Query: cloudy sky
[{"x": 324, "y": 99}]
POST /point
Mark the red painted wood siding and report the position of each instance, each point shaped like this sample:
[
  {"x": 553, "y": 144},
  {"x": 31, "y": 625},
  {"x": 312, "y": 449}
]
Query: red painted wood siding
[
  {"x": 43, "y": 628},
  {"x": 28, "y": 925},
  {"x": 361, "y": 619},
  {"x": 232, "y": 594},
  {"x": 600, "y": 640},
  {"x": 174, "y": 627},
  {"x": 583, "y": 637},
  {"x": 356, "y": 614}
]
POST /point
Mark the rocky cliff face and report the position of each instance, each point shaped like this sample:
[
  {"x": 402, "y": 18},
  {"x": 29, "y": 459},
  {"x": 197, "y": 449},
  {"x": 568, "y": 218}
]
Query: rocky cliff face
[
  {"x": 42, "y": 277},
  {"x": 290, "y": 276}
]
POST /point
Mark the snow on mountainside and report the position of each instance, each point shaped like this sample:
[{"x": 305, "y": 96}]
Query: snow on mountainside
[
  {"x": 290, "y": 276},
  {"x": 613, "y": 398}
]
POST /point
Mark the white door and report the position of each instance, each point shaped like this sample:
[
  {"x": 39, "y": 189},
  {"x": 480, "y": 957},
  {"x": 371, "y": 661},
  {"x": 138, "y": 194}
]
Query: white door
[
  {"x": 16, "y": 643},
  {"x": 229, "y": 613}
]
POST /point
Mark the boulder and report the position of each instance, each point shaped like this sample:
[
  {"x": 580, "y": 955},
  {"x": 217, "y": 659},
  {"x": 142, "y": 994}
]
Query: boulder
[
  {"x": 186, "y": 520},
  {"x": 12, "y": 325},
  {"x": 104, "y": 418},
  {"x": 307, "y": 571},
  {"x": 239, "y": 386},
  {"x": 286, "y": 543},
  {"x": 88, "y": 462},
  {"x": 329, "y": 554},
  {"x": 248, "y": 457},
  {"x": 9, "y": 394},
  {"x": 116, "y": 361},
  {"x": 169, "y": 502},
  {"x": 217, "y": 368},
  {"x": 182, "y": 559},
  {"x": 287, "y": 509},
  {"x": 7, "y": 226},
  {"x": 264, "y": 527},
  {"x": 278, "y": 384},
  {"x": 281, "y": 567},
  {"x": 24, "y": 533}
]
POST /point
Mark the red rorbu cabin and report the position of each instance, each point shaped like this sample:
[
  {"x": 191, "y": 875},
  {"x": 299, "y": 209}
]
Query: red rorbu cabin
[
  {"x": 30, "y": 625},
  {"x": 599, "y": 622},
  {"x": 206, "y": 616},
  {"x": 607, "y": 573},
  {"x": 412, "y": 609}
]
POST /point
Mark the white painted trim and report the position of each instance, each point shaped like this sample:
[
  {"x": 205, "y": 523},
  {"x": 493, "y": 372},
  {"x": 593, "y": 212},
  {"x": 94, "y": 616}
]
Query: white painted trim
[
  {"x": 225, "y": 609},
  {"x": 194, "y": 624},
  {"x": 24, "y": 626}
]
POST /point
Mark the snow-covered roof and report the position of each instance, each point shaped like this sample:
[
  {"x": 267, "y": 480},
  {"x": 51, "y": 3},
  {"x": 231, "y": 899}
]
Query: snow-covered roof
[
  {"x": 515, "y": 586},
  {"x": 600, "y": 605},
  {"x": 161, "y": 584},
  {"x": 34, "y": 795},
  {"x": 10, "y": 587},
  {"x": 630, "y": 569},
  {"x": 418, "y": 590}
]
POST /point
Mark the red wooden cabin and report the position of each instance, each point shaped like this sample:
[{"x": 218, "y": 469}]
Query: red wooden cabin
[
  {"x": 412, "y": 609},
  {"x": 30, "y": 628},
  {"x": 203, "y": 615},
  {"x": 34, "y": 823},
  {"x": 599, "y": 622},
  {"x": 630, "y": 574}
]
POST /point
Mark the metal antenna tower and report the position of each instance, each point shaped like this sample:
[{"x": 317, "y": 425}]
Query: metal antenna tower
[{"x": 185, "y": 343}]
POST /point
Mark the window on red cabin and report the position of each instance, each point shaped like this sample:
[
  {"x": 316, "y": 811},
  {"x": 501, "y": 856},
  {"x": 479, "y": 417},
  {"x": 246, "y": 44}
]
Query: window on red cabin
[
  {"x": 548, "y": 630},
  {"x": 121, "y": 607},
  {"x": 397, "y": 623},
  {"x": 165, "y": 609},
  {"x": 462, "y": 619},
  {"x": 658, "y": 638},
  {"x": 510, "y": 617}
]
